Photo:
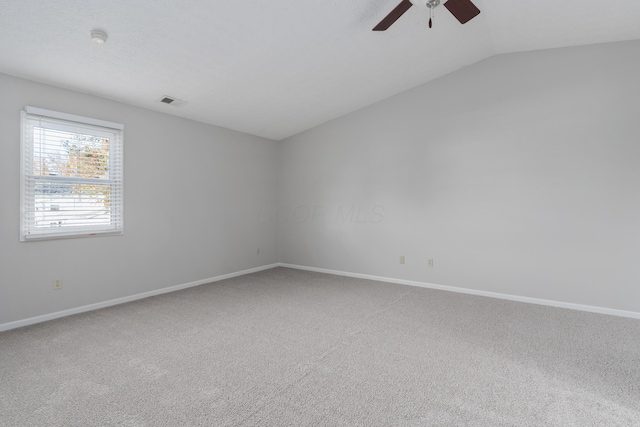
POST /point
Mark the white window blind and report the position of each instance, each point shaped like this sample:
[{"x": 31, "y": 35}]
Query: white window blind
[{"x": 72, "y": 177}]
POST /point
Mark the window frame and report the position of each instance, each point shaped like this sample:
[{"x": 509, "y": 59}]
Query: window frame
[{"x": 27, "y": 186}]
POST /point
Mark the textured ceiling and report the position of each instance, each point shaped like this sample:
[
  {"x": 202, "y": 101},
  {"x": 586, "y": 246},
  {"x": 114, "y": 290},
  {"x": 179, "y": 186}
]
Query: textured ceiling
[{"x": 275, "y": 68}]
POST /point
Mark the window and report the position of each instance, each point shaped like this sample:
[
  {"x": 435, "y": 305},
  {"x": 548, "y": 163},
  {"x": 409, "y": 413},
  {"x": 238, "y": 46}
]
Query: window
[{"x": 71, "y": 176}]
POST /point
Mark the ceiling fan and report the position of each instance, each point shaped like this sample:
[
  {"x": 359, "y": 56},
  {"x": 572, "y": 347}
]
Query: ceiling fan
[{"x": 463, "y": 10}]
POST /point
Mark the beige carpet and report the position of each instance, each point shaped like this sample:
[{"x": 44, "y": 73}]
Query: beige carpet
[{"x": 293, "y": 348}]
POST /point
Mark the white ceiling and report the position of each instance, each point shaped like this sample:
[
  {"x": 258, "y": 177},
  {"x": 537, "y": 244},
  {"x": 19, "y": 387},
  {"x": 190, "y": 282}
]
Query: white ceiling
[{"x": 275, "y": 68}]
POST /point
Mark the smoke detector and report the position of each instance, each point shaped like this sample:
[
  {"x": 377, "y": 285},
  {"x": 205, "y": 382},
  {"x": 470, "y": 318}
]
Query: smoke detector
[{"x": 98, "y": 37}]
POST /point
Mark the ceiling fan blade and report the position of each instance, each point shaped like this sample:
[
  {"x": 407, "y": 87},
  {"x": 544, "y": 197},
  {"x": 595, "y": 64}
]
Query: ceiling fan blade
[
  {"x": 463, "y": 10},
  {"x": 394, "y": 15}
]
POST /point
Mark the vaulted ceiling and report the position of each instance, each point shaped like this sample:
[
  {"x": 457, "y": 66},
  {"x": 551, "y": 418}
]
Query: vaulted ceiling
[{"x": 275, "y": 68}]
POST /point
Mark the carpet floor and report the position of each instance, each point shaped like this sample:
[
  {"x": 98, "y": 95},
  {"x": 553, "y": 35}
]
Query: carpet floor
[{"x": 285, "y": 347}]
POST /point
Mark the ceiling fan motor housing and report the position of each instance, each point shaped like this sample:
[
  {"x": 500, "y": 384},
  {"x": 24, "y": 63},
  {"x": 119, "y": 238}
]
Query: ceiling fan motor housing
[{"x": 426, "y": 3}]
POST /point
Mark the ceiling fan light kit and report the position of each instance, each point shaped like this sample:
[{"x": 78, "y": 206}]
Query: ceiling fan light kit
[
  {"x": 431, "y": 4},
  {"x": 462, "y": 10}
]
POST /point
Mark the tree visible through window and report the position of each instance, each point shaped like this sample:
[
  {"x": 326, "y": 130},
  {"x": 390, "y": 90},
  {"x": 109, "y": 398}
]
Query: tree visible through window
[{"x": 72, "y": 175}]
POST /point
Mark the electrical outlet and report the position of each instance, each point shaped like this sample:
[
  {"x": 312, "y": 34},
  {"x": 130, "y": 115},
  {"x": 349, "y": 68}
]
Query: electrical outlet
[
  {"x": 401, "y": 259},
  {"x": 258, "y": 251},
  {"x": 430, "y": 262},
  {"x": 57, "y": 284}
]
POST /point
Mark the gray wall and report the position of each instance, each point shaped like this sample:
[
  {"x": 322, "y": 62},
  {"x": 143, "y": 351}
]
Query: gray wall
[
  {"x": 518, "y": 175},
  {"x": 192, "y": 197}
]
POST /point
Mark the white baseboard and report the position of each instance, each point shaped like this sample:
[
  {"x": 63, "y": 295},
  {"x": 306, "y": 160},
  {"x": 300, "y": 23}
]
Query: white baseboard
[
  {"x": 96, "y": 306},
  {"x": 539, "y": 301}
]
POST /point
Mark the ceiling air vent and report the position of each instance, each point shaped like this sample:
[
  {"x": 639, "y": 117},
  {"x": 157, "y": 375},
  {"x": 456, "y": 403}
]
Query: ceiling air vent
[{"x": 174, "y": 102}]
